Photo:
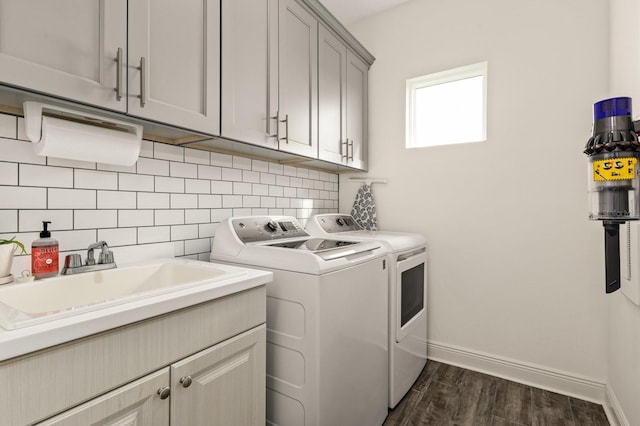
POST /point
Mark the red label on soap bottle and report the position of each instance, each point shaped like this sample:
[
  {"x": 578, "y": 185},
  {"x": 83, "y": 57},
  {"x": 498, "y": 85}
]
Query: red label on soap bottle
[{"x": 44, "y": 260}]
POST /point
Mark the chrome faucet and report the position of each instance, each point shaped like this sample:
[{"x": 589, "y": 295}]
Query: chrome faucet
[{"x": 73, "y": 262}]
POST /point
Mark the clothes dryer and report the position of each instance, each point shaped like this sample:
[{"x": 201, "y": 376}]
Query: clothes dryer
[{"x": 407, "y": 281}]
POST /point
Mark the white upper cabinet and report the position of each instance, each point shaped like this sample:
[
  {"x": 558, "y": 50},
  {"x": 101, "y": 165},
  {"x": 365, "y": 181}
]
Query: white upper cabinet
[
  {"x": 67, "y": 48},
  {"x": 297, "y": 79},
  {"x": 249, "y": 93},
  {"x": 173, "y": 62}
]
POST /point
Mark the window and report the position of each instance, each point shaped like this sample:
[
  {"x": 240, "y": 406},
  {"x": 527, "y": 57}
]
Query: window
[{"x": 447, "y": 107}]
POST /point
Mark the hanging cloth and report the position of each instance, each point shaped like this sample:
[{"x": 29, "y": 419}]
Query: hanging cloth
[{"x": 364, "y": 208}]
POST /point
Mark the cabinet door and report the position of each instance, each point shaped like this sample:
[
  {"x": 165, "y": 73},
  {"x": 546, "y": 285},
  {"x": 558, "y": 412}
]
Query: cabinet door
[
  {"x": 249, "y": 61},
  {"x": 332, "y": 75},
  {"x": 137, "y": 403},
  {"x": 222, "y": 385},
  {"x": 357, "y": 113},
  {"x": 65, "y": 48},
  {"x": 297, "y": 79},
  {"x": 174, "y": 62}
]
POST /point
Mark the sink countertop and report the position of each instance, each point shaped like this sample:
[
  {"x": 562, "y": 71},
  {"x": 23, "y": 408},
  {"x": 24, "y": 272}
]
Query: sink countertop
[{"x": 22, "y": 341}]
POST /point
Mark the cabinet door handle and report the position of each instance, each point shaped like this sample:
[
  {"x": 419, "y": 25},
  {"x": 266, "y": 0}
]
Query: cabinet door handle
[
  {"x": 286, "y": 128},
  {"x": 118, "y": 88},
  {"x": 164, "y": 392},
  {"x": 346, "y": 144},
  {"x": 143, "y": 81},
  {"x": 351, "y": 156},
  {"x": 186, "y": 381},
  {"x": 277, "y": 118}
]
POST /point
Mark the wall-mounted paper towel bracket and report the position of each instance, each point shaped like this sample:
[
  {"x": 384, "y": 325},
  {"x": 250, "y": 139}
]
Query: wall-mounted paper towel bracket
[
  {"x": 368, "y": 181},
  {"x": 65, "y": 133}
]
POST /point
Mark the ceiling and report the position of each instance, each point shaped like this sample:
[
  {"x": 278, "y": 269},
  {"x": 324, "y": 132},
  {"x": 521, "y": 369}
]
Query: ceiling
[{"x": 350, "y": 11}]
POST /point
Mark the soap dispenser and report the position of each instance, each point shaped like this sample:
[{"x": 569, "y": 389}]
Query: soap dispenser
[{"x": 44, "y": 254}]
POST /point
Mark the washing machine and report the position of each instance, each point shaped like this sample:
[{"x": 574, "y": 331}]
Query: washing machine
[
  {"x": 327, "y": 352},
  {"x": 407, "y": 280}
]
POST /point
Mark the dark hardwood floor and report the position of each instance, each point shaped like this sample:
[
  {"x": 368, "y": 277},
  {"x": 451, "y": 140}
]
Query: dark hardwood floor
[{"x": 448, "y": 395}]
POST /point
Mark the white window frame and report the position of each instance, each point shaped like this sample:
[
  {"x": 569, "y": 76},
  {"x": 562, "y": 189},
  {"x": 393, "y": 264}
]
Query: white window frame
[{"x": 448, "y": 76}]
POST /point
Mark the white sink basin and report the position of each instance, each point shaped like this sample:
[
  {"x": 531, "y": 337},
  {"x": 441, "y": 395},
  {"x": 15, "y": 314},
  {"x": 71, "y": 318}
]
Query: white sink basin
[{"x": 24, "y": 305}]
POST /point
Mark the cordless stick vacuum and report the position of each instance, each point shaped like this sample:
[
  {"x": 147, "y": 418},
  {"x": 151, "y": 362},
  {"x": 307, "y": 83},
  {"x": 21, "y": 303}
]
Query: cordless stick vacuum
[{"x": 614, "y": 196}]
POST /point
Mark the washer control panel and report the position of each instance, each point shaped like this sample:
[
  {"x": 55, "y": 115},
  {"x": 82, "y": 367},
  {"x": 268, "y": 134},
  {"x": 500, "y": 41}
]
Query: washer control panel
[
  {"x": 338, "y": 223},
  {"x": 266, "y": 228}
]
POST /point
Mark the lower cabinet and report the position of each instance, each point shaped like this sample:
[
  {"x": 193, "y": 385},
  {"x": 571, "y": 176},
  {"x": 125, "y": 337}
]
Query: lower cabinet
[{"x": 221, "y": 385}]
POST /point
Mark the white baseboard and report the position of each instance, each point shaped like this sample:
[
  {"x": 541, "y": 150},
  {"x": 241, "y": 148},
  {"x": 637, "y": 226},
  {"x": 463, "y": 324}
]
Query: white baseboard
[
  {"x": 614, "y": 410},
  {"x": 518, "y": 371}
]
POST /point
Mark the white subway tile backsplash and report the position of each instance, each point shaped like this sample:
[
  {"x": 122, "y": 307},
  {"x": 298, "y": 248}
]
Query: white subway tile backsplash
[
  {"x": 250, "y": 201},
  {"x": 196, "y": 216},
  {"x": 146, "y": 149},
  {"x": 168, "y": 152},
  {"x": 231, "y": 201},
  {"x": 32, "y": 175},
  {"x": 169, "y": 184},
  {"x": 209, "y": 172},
  {"x": 260, "y": 166},
  {"x": 184, "y": 170},
  {"x": 218, "y": 215},
  {"x": 209, "y": 201},
  {"x": 241, "y": 188},
  {"x": 8, "y": 173},
  {"x": 207, "y": 230},
  {"x": 276, "y": 191},
  {"x": 74, "y": 164},
  {"x": 71, "y": 198},
  {"x": 19, "y": 152},
  {"x": 276, "y": 212},
  {"x": 88, "y": 219},
  {"x": 259, "y": 189},
  {"x": 128, "y": 218},
  {"x": 8, "y": 126},
  {"x": 22, "y": 134},
  {"x": 8, "y": 220},
  {"x": 267, "y": 178},
  {"x": 118, "y": 237},
  {"x": 116, "y": 200},
  {"x": 184, "y": 201},
  {"x": 231, "y": 174},
  {"x": 153, "y": 200},
  {"x": 151, "y": 166},
  {"x": 197, "y": 186},
  {"x": 154, "y": 234},
  {"x": 283, "y": 180},
  {"x": 91, "y": 179},
  {"x": 184, "y": 232},
  {"x": 290, "y": 171},
  {"x": 131, "y": 182},
  {"x": 75, "y": 240},
  {"x": 219, "y": 187},
  {"x": 201, "y": 245},
  {"x": 196, "y": 156},
  {"x": 169, "y": 217},
  {"x": 250, "y": 176},
  {"x": 173, "y": 195},
  {"x": 221, "y": 160}
]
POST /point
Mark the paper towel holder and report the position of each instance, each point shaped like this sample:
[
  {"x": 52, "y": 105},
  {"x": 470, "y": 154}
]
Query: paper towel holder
[{"x": 35, "y": 111}]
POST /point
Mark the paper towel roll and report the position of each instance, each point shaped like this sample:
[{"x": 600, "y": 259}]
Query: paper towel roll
[{"x": 83, "y": 142}]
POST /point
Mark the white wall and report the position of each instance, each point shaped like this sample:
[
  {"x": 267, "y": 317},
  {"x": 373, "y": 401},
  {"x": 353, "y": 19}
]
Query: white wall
[
  {"x": 624, "y": 316},
  {"x": 516, "y": 269}
]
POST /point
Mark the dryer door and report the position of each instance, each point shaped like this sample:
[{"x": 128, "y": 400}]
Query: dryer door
[{"x": 410, "y": 294}]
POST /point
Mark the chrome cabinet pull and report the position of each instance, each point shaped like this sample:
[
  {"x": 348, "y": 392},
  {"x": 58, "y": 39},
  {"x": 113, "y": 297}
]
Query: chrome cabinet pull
[
  {"x": 277, "y": 118},
  {"x": 346, "y": 143},
  {"x": 118, "y": 88},
  {"x": 143, "y": 82},
  {"x": 286, "y": 128},
  {"x": 351, "y": 156}
]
